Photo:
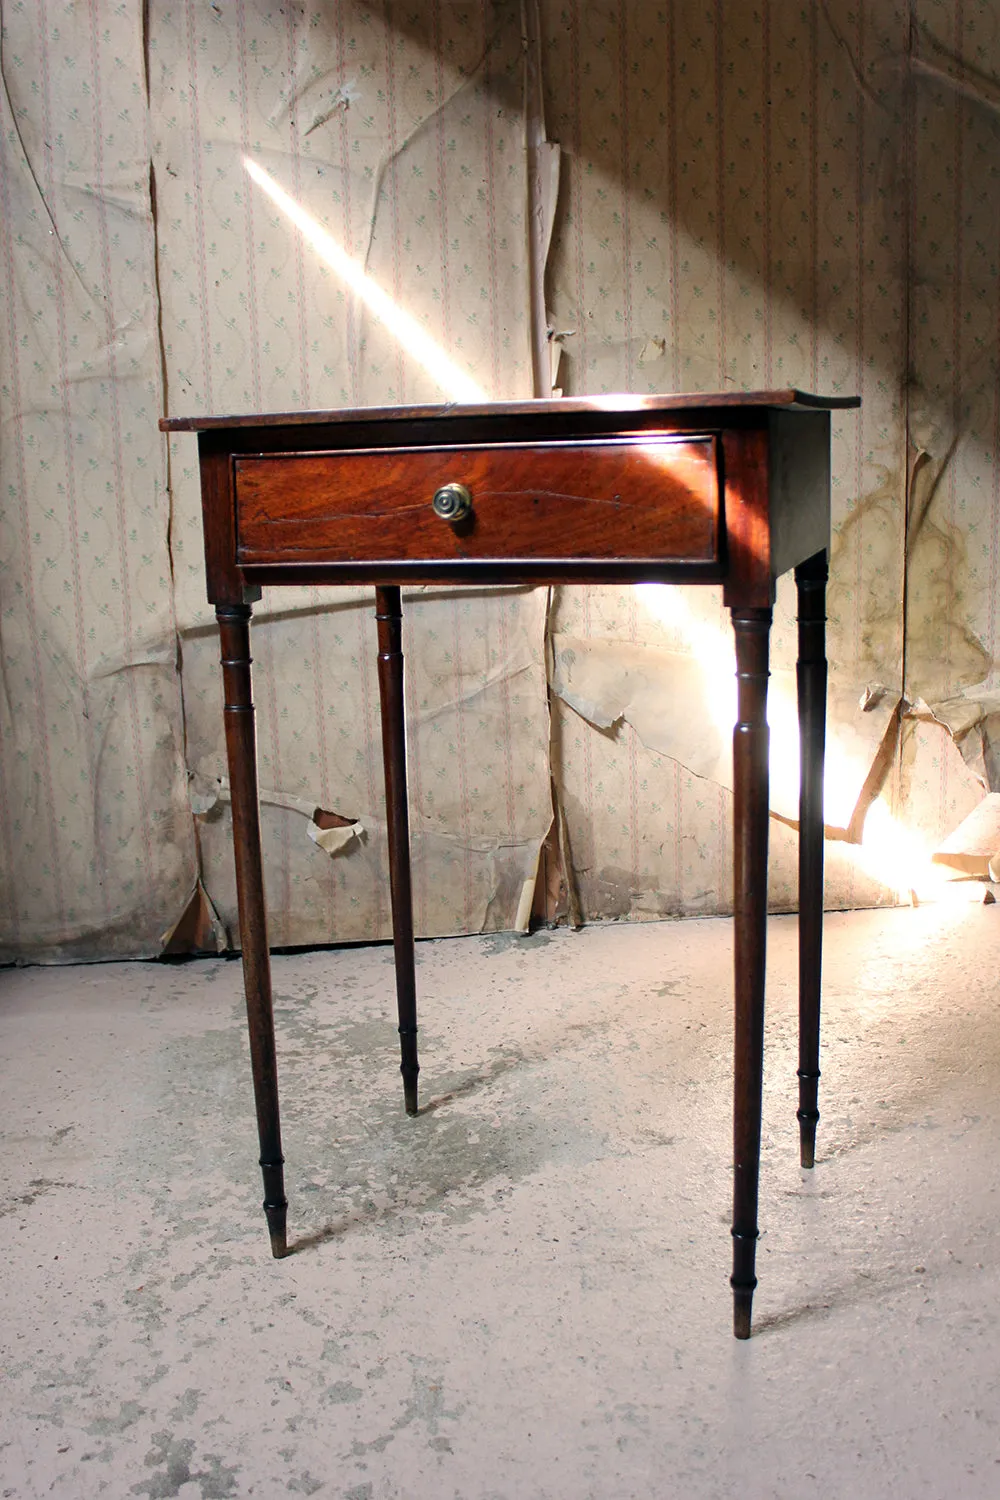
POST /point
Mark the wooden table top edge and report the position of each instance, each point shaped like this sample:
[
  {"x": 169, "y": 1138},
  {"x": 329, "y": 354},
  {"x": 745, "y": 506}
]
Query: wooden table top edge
[{"x": 566, "y": 404}]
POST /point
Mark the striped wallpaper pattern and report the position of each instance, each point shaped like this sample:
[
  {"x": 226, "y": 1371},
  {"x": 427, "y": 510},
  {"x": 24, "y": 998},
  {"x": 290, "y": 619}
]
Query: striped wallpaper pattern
[{"x": 750, "y": 196}]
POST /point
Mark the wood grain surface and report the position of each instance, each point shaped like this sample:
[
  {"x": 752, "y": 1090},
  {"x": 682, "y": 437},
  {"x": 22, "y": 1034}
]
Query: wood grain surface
[{"x": 653, "y": 497}]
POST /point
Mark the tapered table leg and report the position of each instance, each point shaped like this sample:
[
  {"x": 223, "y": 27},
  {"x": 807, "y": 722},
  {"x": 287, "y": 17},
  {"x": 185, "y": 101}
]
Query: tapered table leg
[
  {"x": 241, "y": 748},
  {"x": 750, "y": 830},
  {"x": 388, "y": 613},
  {"x": 810, "y": 579}
]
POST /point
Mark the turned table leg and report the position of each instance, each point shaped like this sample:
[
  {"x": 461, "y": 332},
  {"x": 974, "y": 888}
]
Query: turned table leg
[
  {"x": 810, "y": 579},
  {"x": 388, "y": 613},
  {"x": 750, "y": 829},
  {"x": 234, "y": 632}
]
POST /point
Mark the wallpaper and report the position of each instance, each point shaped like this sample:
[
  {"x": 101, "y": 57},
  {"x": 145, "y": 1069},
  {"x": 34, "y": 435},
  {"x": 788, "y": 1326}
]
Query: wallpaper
[
  {"x": 733, "y": 220},
  {"x": 251, "y": 206},
  {"x": 98, "y": 844},
  {"x": 953, "y": 400},
  {"x": 404, "y": 146}
]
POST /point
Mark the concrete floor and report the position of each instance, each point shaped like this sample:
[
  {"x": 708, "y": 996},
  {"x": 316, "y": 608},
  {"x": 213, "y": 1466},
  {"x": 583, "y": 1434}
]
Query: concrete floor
[{"x": 523, "y": 1292}]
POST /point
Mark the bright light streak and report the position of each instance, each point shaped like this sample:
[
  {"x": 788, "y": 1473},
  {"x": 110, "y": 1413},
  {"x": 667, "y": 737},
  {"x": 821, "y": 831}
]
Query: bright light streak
[
  {"x": 888, "y": 852},
  {"x": 415, "y": 340}
]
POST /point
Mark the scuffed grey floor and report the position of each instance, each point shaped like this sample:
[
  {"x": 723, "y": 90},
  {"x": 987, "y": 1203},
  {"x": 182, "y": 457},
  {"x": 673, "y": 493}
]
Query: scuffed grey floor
[{"x": 523, "y": 1292}]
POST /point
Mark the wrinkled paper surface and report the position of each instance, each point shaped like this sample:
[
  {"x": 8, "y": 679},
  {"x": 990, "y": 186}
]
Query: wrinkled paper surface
[{"x": 727, "y": 203}]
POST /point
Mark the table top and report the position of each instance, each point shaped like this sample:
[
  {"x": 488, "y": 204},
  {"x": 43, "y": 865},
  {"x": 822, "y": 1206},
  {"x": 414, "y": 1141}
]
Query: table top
[{"x": 566, "y": 405}]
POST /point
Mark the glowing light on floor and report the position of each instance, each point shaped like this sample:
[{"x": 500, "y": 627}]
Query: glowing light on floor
[{"x": 405, "y": 329}]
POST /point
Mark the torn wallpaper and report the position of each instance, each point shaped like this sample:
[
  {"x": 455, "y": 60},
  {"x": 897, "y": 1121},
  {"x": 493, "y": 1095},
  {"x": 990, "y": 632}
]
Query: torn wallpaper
[
  {"x": 98, "y": 848},
  {"x": 730, "y": 196},
  {"x": 736, "y": 214},
  {"x": 953, "y": 535},
  {"x": 406, "y": 149}
]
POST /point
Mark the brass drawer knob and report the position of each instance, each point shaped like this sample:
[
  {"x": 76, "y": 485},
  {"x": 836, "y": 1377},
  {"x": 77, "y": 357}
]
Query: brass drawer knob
[{"x": 452, "y": 502}]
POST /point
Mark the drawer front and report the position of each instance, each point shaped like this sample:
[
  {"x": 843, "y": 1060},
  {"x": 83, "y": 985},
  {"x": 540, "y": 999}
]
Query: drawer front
[{"x": 630, "y": 499}]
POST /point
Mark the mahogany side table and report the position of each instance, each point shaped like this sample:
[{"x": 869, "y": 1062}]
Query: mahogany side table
[{"x": 730, "y": 489}]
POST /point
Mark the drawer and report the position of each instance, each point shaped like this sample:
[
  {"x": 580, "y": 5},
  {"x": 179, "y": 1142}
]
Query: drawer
[{"x": 650, "y": 497}]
